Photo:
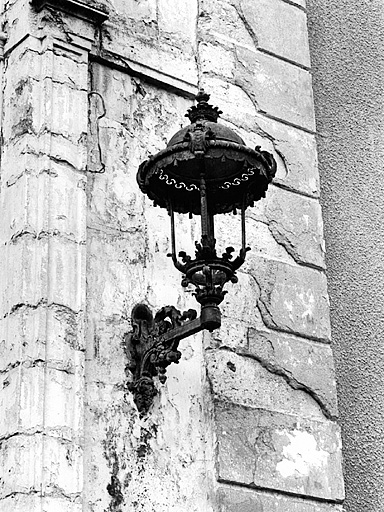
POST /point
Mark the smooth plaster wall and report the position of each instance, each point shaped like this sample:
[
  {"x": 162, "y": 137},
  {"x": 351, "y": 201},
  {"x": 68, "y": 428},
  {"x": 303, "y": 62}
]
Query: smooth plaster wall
[{"x": 347, "y": 51}]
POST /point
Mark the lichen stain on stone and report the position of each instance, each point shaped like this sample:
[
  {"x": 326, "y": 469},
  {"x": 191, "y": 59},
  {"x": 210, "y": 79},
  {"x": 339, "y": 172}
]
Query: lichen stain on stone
[
  {"x": 25, "y": 124},
  {"x": 114, "y": 487},
  {"x": 114, "y": 490}
]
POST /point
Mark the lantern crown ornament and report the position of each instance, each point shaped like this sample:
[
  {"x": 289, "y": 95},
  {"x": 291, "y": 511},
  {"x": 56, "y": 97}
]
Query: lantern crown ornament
[{"x": 205, "y": 170}]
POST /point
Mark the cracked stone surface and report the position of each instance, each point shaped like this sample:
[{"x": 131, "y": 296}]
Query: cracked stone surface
[
  {"x": 304, "y": 364},
  {"x": 296, "y": 224},
  {"x": 246, "y": 381},
  {"x": 157, "y": 34},
  {"x": 278, "y": 451},
  {"x": 267, "y": 24},
  {"x": 292, "y": 299},
  {"x": 278, "y": 88}
]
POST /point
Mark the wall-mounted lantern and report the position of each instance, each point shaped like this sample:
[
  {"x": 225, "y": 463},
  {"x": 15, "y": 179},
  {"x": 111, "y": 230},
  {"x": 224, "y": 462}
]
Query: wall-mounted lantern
[{"x": 206, "y": 170}]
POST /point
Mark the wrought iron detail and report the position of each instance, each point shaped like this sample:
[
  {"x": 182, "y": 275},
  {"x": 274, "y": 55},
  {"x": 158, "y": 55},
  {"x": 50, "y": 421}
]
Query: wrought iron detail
[
  {"x": 153, "y": 343},
  {"x": 198, "y": 137}
]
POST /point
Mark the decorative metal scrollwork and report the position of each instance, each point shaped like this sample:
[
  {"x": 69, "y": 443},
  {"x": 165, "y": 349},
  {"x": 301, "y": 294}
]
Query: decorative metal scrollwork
[{"x": 153, "y": 345}]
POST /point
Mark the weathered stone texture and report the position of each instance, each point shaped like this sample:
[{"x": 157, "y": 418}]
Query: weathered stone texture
[
  {"x": 278, "y": 451},
  {"x": 42, "y": 297},
  {"x": 158, "y": 35},
  {"x": 304, "y": 364},
  {"x": 241, "y": 500},
  {"x": 165, "y": 461},
  {"x": 29, "y": 329},
  {"x": 277, "y": 88},
  {"x": 295, "y": 223},
  {"x": 293, "y": 361},
  {"x": 298, "y": 151},
  {"x": 33, "y": 503},
  {"x": 293, "y": 299},
  {"x": 270, "y": 25},
  {"x": 80, "y": 251},
  {"x": 244, "y": 381},
  {"x": 23, "y": 456},
  {"x": 280, "y": 28}
]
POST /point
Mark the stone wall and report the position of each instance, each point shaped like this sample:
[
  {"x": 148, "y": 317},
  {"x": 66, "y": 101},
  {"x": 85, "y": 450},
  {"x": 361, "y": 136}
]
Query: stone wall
[{"x": 247, "y": 420}]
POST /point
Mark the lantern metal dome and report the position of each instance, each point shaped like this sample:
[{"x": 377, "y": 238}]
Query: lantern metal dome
[{"x": 234, "y": 175}]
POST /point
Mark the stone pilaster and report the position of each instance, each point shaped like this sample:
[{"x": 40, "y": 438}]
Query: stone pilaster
[{"x": 43, "y": 241}]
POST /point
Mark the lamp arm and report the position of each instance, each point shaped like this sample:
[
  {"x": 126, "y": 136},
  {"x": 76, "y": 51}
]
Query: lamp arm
[{"x": 151, "y": 350}]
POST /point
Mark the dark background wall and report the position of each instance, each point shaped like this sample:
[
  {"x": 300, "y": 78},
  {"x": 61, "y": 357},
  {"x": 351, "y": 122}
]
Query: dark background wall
[{"x": 347, "y": 51}]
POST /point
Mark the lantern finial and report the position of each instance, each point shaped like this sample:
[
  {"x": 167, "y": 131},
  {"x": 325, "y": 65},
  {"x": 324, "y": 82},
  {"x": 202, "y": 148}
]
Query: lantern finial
[{"x": 203, "y": 110}]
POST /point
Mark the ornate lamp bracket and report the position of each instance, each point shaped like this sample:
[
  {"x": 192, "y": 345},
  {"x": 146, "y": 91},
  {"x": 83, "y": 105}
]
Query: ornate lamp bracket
[{"x": 153, "y": 343}]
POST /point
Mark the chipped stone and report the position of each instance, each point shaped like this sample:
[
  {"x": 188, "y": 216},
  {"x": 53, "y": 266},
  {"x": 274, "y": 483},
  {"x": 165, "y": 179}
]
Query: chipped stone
[{"x": 279, "y": 451}]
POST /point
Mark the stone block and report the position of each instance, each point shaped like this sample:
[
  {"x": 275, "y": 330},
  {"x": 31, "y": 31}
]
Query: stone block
[
  {"x": 224, "y": 22},
  {"x": 62, "y": 112},
  {"x": 279, "y": 452},
  {"x": 292, "y": 298},
  {"x": 49, "y": 399},
  {"x": 68, "y": 116},
  {"x": 168, "y": 58},
  {"x": 38, "y": 205},
  {"x": 69, "y": 65},
  {"x": 243, "y": 380},
  {"x": 50, "y": 58},
  {"x": 297, "y": 149},
  {"x": 40, "y": 463},
  {"x": 231, "y": 499},
  {"x": 178, "y": 24},
  {"x": 279, "y": 27},
  {"x": 23, "y": 277},
  {"x": 276, "y": 88},
  {"x": 218, "y": 60},
  {"x": 43, "y": 333},
  {"x": 305, "y": 364},
  {"x": 26, "y": 275},
  {"x": 26, "y": 413},
  {"x": 296, "y": 224}
]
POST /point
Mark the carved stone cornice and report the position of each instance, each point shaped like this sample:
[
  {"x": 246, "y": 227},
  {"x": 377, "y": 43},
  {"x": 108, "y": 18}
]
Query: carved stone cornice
[{"x": 97, "y": 14}]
